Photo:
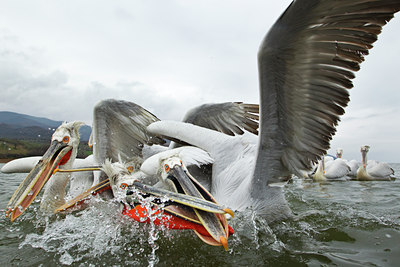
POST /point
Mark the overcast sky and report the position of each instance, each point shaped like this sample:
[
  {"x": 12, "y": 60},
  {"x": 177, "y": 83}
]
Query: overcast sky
[{"x": 59, "y": 58}]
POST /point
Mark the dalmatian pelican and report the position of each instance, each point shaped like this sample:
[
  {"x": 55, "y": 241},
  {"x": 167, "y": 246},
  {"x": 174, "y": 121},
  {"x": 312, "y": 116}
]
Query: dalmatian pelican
[
  {"x": 119, "y": 134},
  {"x": 331, "y": 169},
  {"x": 113, "y": 121},
  {"x": 306, "y": 64},
  {"x": 371, "y": 170},
  {"x": 175, "y": 185},
  {"x": 353, "y": 164}
]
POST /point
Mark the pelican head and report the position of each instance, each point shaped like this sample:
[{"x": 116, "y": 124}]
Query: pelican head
[
  {"x": 365, "y": 149},
  {"x": 61, "y": 153},
  {"x": 170, "y": 166},
  {"x": 121, "y": 176},
  {"x": 172, "y": 171},
  {"x": 339, "y": 153}
]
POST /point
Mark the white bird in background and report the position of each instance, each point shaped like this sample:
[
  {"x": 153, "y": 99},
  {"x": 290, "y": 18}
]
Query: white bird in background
[
  {"x": 339, "y": 153},
  {"x": 306, "y": 63},
  {"x": 353, "y": 164},
  {"x": 373, "y": 170},
  {"x": 331, "y": 169}
]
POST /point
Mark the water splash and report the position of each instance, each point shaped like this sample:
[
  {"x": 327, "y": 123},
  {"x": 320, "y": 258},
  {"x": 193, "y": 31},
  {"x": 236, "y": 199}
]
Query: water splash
[
  {"x": 98, "y": 231},
  {"x": 350, "y": 223}
]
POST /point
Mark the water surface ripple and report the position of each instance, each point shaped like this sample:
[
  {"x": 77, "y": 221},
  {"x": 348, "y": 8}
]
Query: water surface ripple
[{"x": 346, "y": 223}]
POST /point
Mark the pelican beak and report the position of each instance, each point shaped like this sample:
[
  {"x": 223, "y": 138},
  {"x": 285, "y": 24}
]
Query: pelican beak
[
  {"x": 215, "y": 224},
  {"x": 57, "y": 154},
  {"x": 189, "y": 201},
  {"x": 94, "y": 190}
]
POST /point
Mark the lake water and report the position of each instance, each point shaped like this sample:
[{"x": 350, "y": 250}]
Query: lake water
[{"x": 346, "y": 223}]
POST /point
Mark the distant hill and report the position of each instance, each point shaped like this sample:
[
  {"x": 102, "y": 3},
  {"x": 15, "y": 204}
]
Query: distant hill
[{"x": 25, "y": 127}]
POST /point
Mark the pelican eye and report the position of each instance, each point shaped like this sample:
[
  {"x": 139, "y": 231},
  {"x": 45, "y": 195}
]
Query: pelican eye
[
  {"x": 181, "y": 162},
  {"x": 123, "y": 186},
  {"x": 131, "y": 169},
  {"x": 65, "y": 139},
  {"x": 166, "y": 167}
]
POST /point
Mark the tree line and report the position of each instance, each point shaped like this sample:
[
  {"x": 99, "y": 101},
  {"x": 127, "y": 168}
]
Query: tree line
[{"x": 13, "y": 148}]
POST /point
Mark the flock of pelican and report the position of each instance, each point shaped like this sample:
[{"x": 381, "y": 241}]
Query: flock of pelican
[
  {"x": 330, "y": 168},
  {"x": 230, "y": 156}
]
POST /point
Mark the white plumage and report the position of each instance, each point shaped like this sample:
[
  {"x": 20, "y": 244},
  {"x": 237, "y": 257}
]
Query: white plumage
[
  {"x": 331, "y": 169},
  {"x": 373, "y": 170}
]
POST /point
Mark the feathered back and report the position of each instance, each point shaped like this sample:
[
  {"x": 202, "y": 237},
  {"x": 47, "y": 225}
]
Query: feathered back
[{"x": 188, "y": 154}]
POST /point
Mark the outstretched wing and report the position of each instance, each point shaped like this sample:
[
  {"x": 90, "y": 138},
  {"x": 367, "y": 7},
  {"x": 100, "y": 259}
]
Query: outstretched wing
[
  {"x": 306, "y": 64},
  {"x": 230, "y": 118},
  {"x": 119, "y": 130}
]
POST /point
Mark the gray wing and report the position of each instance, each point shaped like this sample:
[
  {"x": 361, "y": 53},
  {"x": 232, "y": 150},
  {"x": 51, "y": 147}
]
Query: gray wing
[
  {"x": 230, "y": 118},
  {"x": 119, "y": 130},
  {"x": 306, "y": 64}
]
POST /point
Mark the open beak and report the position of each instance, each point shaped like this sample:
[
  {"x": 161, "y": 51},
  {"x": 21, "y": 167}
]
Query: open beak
[
  {"x": 57, "y": 154},
  {"x": 215, "y": 223},
  {"x": 191, "y": 202},
  {"x": 180, "y": 199}
]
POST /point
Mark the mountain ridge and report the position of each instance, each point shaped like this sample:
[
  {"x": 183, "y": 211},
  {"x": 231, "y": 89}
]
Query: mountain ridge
[{"x": 26, "y": 127}]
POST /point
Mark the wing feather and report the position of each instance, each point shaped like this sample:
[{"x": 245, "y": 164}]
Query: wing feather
[
  {"x": 230, "y": 118},
  {"x": 119, "y": 130},
  {"x": 306, "y": 66}
]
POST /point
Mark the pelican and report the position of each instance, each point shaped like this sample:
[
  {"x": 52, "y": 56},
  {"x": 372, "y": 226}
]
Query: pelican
[
  {"x": 331, "y": 169},
  {"x": 353, "y": 164},
  {"x": 116, "y": 123},
  {"x": 306, "y": 63},
  {"x": 373, "y": 170},
  {"x": 61, "y": 153},
  {"x": 170, "y": 167},
  {"x": 119, "y": 119},
  {"x": 79, "y": 181}
]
